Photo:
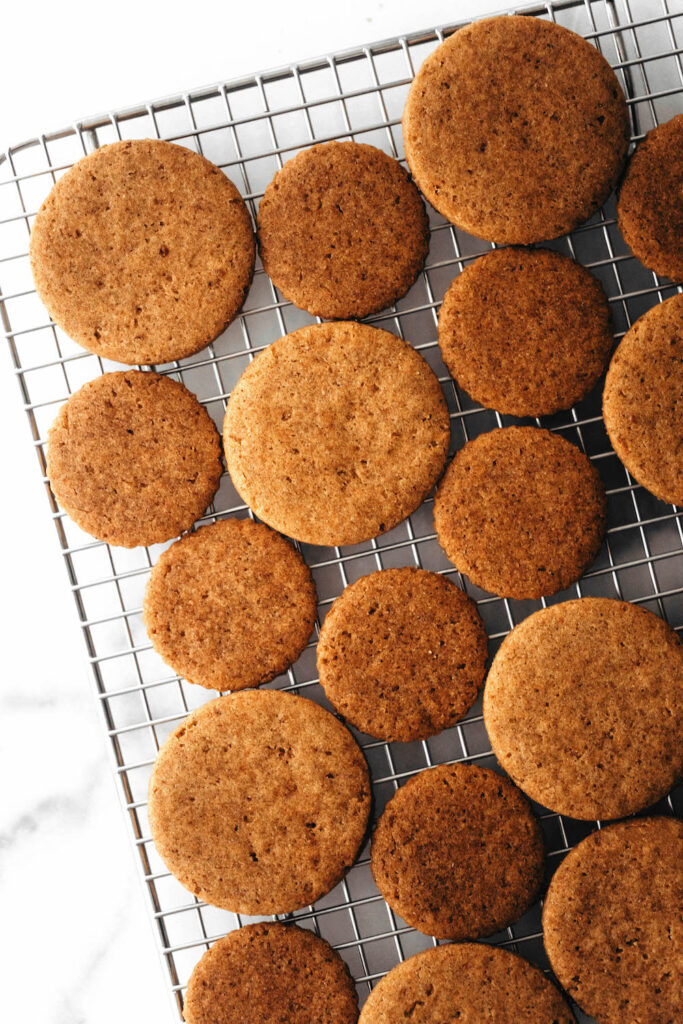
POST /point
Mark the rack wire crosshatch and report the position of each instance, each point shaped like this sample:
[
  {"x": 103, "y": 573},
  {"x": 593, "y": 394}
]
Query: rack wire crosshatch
[{"x": 249, "y": 128}]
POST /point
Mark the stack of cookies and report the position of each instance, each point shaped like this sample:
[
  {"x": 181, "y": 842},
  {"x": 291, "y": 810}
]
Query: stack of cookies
[{"x": 516, "y": 131}]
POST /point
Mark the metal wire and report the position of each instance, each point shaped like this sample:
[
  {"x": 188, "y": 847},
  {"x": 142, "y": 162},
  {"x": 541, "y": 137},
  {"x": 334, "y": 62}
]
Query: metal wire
[{"x": 249, "y": 128}]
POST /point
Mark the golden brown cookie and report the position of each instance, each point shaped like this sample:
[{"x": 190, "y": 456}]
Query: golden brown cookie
[
  {"x": 643, "y": 400},
  {"x": 143, "y": 252},
  {"x": 612, "y": 922},
  {"x": 342, "y": 230},
  {"x": 467, "y": 983},
  {"x": 271, "y": 973},
  {"x": 525, "y": 331},
  {"x": 516, "y": 129},
  {"x": 521, "y": 511},
  {"x": 336, "y": 433},
  {"x": 401, "y": 654},
  {"x": 259, "y": 801},
  {"x": 458, "y": 852},
  {"x": 650, "y": 207},
  {"x": 230, "y": 606},
  {"x": 584, "y": 707},
  {"x": 133, "y": 458}
]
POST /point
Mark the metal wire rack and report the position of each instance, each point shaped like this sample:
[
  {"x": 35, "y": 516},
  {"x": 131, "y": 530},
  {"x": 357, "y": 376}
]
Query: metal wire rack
[{"x": 249, "y": 128}]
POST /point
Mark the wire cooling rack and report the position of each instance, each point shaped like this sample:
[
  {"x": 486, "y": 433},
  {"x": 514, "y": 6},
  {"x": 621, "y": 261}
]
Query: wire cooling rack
[{"x": 249, "y": 128}]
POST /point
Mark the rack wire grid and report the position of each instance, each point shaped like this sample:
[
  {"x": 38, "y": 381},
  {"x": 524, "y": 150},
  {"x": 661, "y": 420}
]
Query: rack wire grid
[{"x": 249, "y": 128}]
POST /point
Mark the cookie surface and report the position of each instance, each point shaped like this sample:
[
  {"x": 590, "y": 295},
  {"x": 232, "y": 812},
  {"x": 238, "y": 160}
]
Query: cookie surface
[
  {"x": 612, "y": 924},
  {"x": 343, "y": 231},
  {"x": 259, "y": 801},
  {"x": 521, "y": 511},
  {"x": 650, "y": 206},
  {"x": 230, "y": 606},
  {"x": 133, "y": 458},
  {"x": 143, "y": 252},
  {"x": 467, "y": 982},
  {"x": 525, "y": 331},
  {"x": 643, "y": 400},
  {"x": 458, "y": 852},
  {"x": 401, "y": 654},
  {"x": 336, "y": 433},
  {"x": 271, "y": 973},
  {"x": 515, "y": 129}
]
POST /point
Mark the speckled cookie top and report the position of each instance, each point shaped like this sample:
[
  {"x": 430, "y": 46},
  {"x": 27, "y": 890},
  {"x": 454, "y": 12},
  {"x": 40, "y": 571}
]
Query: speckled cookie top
[
  {"x": 458, "y": 853},
  {"x": 343, "y": 231},
  {"x": 143, "y": 252},
  {"x": 521, "y": 511},
  {"x": 525, "y": 331},
  {"x": 259, "y": 801},
  {"x": 516, "y": 129},
  {"x": 612, "y": 922},
  {"x": 230, "y": 606},
  {"x": 133, "y": 458},
  {"x": 336, "y": 433}
]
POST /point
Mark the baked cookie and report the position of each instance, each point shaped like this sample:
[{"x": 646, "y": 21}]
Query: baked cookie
[
  {"x": 230, "y": 606},
  {"x": 271, "y": 973},
  {"x": 516, "y": 129},
  {"x": 342, "y": 230},
  {"x": 521, "y": 511},
  {"x": 259, "y": 802},
  {"x": 525, "y": 331},
  {"x": 469, "y": 983},
  {"x": 401, "y": 654},
  {"x": 458, "y": 853},
  {"x": 336, "y": 433},
  {"x": 612, "y": 922},
  {"x": 650, "y": 206},
  {"x": 143, "y": 252},
  {"x": 133, "y": 458},
  {"x": 642, "y": 402}
]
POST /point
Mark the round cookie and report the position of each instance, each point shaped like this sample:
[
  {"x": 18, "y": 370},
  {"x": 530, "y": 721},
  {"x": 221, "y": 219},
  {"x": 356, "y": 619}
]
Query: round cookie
[
  {"x": 230, "y": 606},
  {"x": 336, "y": 433},
  {"x": 584, "y": 708},
  {"x": 458, "y": 853},
  {"x": 521, "y": 511},
  {"x": 133, "y": 458},
  {"x": 343, "y": 231},
  {"x": 271, "y": 973},
  {"x": 650, "y": 206},
  {"x": 259, "y": 802},
  {"x": 642, "y": 402},
  {"x": 525, "y": 331},
  {"x": 401, "y": 654},
  {"x": 612, "y": 925},
  {"x": 515, "y": 129},
  {"x": 143, "y": 252},
  {"x": 469, "y": 983}
]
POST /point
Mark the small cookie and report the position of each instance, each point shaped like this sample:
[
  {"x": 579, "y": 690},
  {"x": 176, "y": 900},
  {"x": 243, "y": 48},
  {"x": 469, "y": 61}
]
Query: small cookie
[
  {"x": 642, "y": 402},
  {"x": 650, "y": 206},
  {"x": 259, "y": 801},
  {"x": 467, "y": 983},
  {"x": 612, "y": 924},
  {"x": 230, "y": 606},
  {"x": 458, "y": 853},
  {"x": 133, "y": 458},
  {"x": 143, "y": 252},
  {"x": 342, "y": 230},
  {"x": 516, "y": 129},
  {"x": 271, "y": 973},
  {"x": 401, "y": 654},
  {"x": 525, "y": 331},
  {"x": 584, "y": 708},
  {"x": 521, "y": 511},
  {"x": 336, "y": 433}
]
